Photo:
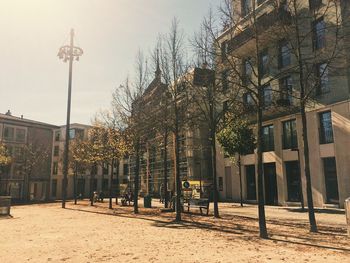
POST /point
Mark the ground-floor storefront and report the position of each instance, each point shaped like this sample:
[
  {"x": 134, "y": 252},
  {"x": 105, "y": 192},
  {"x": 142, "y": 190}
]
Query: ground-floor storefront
[{"x": 284, "y": 180}]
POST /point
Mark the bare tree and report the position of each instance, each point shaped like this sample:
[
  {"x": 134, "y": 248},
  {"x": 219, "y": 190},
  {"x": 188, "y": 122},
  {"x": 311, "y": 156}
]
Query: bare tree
[
  {"x": 315, "y": 39},
  {"x": 127, "y": 102},
  {"x": 174, "y": 67},
  {"x": 33, "y": 155}
]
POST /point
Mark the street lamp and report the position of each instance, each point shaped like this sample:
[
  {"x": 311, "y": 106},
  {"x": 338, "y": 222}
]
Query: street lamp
[
  {"x": 301, "y": 184},
  {"x": 68, "y": 53}
]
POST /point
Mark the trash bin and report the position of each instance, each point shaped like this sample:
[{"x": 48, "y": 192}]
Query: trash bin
[
  {"x": 347, "y": 213},
  {"x": 147, "y": 201},
  {"x": 5, "y": 205}
]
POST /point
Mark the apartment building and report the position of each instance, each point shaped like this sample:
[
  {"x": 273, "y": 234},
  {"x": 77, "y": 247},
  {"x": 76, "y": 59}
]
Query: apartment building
[
  {"x": 194, "y": 150},
  {"x": 328, "y": 110},
  {"x": 29, "y": 143},
  {"x": 95, "y": 178}
]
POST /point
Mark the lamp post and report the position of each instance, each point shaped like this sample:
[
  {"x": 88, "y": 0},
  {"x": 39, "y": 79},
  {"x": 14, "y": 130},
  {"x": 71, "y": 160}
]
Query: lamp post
[
  {"x": 301, "y": 184},
  {"x": 68, "y": 53}
]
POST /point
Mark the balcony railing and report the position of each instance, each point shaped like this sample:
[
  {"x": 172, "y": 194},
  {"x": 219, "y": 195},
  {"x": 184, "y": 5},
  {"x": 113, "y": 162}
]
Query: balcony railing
[{"x": 263, "y": 23}]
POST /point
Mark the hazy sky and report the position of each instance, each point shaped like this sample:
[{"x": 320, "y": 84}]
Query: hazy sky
[{"x": 33, "y": 81}]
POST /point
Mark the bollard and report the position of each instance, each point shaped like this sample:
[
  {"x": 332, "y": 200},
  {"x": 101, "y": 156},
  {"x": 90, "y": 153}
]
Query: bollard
[{"x": 347, "y": 213}]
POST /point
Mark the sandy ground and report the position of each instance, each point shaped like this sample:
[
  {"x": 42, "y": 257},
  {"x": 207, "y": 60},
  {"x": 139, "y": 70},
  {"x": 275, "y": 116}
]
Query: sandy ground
[{"x": 80, "y": 233}]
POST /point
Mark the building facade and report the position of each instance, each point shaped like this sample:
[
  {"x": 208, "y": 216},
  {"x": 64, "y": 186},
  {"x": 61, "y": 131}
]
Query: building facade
[
  {"x": 29, "y": 143},
  {"x": 328, "y": 110},
  {"x": 94, "y": 178}
]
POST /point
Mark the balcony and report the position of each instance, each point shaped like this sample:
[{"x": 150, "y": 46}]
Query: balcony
[{"x": 266, "y": 21}]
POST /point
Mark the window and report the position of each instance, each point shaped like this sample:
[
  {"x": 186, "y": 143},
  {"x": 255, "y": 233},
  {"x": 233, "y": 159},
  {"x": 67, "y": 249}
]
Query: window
[
  {"x": 18, "y": 154},
  {"x": 331, "y": 180},
  {"x": 286, "y": 91},
  {"x": 221, "y": 183},
  {"x": 9, "y": 133},
  {"x": 57, "y": 136},
  {"x": 247, "y": 70},
  {"x": 18, "y": 171},
  {"x": 71, "y": 133},
  {"x": 319, "y": 34},
  {"x": 314, "y": 4},
  {"x": 94, "y": 169},
  {"x": 322, "y": 79},
  {"x": 105, "y": 168},
  {"x": 251, "y": 184},
  {"x": 55, "y": 168},
  {"x": 105, "y": 185},
  {"x": 224, "y": 50},
  {"x": 246, "y": 6},
  {"x": 284, "y": 54},
  {"x": 293, "y": 181},
  {"x": 54, "y": 187},
  {"x": 263, "y": 63},
  {"x": 248, "y": 99},
  {"x": 268, "y": 140},
  {"x": 20, "y": 135},
  {"x": 56, "y": 150},
  {"x": 125, "y": 169},
  {"x": 267, "y": 96},
  {"x": 290, "y": 139},
  {"x": 79, "y": 133},
  {"x": 224, "y": 76},
  {"x": 76, "y": 133},
  {"x": 326, "y": 129}
]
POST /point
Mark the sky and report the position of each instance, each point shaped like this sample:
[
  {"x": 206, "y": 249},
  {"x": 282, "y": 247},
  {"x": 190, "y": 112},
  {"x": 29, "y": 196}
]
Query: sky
[{"x": 33, "y": 81}]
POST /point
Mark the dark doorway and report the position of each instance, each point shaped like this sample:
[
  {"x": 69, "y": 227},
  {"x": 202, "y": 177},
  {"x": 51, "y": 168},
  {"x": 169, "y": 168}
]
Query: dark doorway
[
  {"x": 293, "y": 181},
  {"x": 331, "y": 181},
  {"x": 81, "y": 187},
  {"x": 94, "y": 184},
  {"x": 228, "y": 180},
  {"x": 54, "y": 188},
  {"x": 270, "y": 182},
  {"x": 251, "y": 185}
]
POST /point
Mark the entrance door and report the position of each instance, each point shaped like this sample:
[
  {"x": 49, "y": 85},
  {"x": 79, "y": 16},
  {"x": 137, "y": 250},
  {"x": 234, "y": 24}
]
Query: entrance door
[
  {"x": 81, "y": 187},
  {"x": 270, "y": 184},
  {"x": 330, "y": 174},
  {"x": 251, "y": 183},
  {"x": 228, "y": 180},
  {"x": 293, "y": 181}
]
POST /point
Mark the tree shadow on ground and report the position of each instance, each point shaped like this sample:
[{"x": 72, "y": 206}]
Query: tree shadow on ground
[
  {"x": 318, "y": 211},
  {"x": 238, "y": 227}
]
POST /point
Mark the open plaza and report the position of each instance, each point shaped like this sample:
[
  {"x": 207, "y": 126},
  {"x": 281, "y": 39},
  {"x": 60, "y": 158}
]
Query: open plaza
[{"x": 84, "y": 233}]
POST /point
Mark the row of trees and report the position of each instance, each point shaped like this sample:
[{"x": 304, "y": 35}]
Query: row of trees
[
  {"x": 236, "y": 74},
  {"x": 312, "y": 38}
]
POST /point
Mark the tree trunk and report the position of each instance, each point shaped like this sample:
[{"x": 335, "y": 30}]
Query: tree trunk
[
  {"x": 310, "y": 203},
  {"x": 240, "y": 179},
  {"x": 136, "y": 179},
  {"x": 75, "y": 183},
  {"x": 260, "y": 170},
  {"x": 312, "y": 219},
  {"x": 177, "y": 174},
  {"x": 111, "y": 185},
  {"x": 213, "y": 167},
  {"x": 165, "y": 165},
  {"x": 117, "y": 179},
  {"x": 91, "y": 188}
]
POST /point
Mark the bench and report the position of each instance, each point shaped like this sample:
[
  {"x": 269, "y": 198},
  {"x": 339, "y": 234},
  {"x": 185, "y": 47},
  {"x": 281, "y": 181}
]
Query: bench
[
  {"x": 202, "y": 203},
  {"x": 127, "y": 198}
]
